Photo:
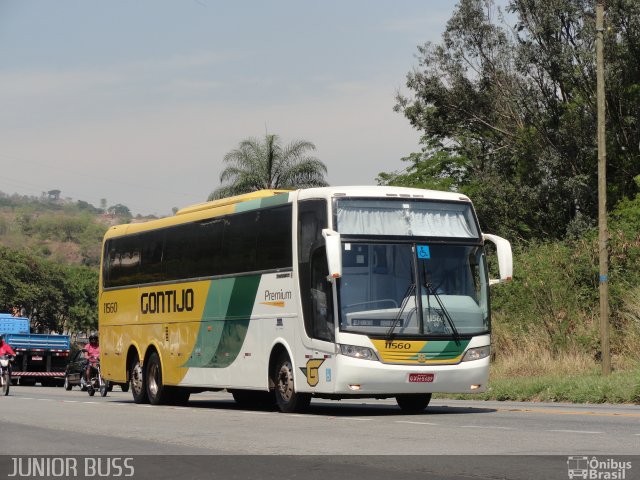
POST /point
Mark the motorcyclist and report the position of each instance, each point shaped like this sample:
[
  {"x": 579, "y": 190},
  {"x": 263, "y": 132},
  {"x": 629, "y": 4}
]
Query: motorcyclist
[
  {"x": 92, "y": 354},
  {"x": 5, "y": 348}
]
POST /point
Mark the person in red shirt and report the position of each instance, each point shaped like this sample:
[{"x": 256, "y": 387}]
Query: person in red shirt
[
  {"x": 92, "y": 353},
  {"x": 5, "y": 348}
]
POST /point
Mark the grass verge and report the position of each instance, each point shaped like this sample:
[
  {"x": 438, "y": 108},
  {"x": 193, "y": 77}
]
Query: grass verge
[{"x": 619, "y": 387}]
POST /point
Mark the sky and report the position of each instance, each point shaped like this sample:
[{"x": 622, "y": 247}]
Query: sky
[{"x": 137, "y": 102}]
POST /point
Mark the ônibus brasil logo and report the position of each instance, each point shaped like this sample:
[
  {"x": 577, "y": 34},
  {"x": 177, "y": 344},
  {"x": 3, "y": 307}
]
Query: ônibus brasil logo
[{"x": 597, "y": 469}]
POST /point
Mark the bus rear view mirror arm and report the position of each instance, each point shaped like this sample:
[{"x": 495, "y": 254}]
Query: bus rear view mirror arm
[
  {"x": 505, "y": 257},
  {"x": 334, "y": 254}
]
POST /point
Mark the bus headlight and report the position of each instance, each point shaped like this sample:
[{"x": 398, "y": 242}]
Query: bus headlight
[
  {"x": 476, "y": 353},
  {"x": 358, "y": 352}
]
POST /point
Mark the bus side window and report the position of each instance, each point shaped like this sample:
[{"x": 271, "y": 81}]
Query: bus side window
[
  {"x": 321, "y": 297},
  {"x": 315, "y": 291}
]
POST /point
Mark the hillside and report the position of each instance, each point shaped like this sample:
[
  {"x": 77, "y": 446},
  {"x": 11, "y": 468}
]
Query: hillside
[
  {"x": 61, "y": 230},
  {"x": 49, "y": 258}
]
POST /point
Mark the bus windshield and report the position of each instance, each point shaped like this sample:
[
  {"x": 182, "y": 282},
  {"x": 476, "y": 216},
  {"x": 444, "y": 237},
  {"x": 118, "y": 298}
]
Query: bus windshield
[
  {"x": 405, "y": 217},
  {"x": 409, "y": 289}
]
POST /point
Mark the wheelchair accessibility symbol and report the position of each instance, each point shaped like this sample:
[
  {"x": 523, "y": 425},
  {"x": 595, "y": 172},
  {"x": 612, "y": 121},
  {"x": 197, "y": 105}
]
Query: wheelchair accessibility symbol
[{"x": 423, "y": 251}]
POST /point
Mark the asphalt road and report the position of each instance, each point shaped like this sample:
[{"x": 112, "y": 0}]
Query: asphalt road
[{"x": 358, "y": 437}]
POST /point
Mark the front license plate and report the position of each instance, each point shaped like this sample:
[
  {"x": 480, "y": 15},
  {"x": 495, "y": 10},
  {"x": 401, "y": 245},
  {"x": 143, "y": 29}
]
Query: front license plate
[
  {"x": 421, "y": 377},
  {"x": 36, "y": 357}
]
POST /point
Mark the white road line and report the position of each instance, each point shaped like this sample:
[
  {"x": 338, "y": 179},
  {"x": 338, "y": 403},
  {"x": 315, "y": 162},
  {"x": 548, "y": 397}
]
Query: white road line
[
  {"x": 353, "y": 418},
  {"x": 574, "y": 431},
  {"x": 492, "y": 427},
  {"x": 257, "y": 413},
  {"x": 416, "y": 423}
]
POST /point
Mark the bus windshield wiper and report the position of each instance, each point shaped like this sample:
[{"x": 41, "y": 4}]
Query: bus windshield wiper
[
  {"x": 407, "y": 295},
  {"x": 454, "y": 331}
]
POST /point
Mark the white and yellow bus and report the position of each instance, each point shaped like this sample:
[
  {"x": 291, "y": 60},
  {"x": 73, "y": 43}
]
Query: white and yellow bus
[{"x": 282, "y": 296}]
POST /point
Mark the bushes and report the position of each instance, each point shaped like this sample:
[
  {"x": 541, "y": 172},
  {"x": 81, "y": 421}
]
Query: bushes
[
  {"x": 67, "y": 236},
  {"x": 551, "y": 296},
  {"x": 549, "y": 313}
]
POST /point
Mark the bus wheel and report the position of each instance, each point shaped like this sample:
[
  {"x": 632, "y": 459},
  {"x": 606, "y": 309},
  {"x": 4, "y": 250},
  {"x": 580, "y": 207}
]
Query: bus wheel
[
  {"x": 413, "y": 403},
  {"x": 138, "y": 384},
  {"x": 287, "y": 398},
  {"x": 156, "y": 391}
]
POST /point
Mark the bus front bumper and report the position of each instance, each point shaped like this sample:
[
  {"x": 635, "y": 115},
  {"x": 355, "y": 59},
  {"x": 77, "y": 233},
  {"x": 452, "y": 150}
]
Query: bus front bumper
[{"x": 366, "y": 377}]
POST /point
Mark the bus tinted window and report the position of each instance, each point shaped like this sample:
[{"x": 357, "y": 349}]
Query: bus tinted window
[
  {"x": 193, "y": 250},
  {"x": 123, "y": 262},
  {"x": 240, "y": 243},
  {"x": 274, "y": 240},
  {"x": 151, "y": 245}
]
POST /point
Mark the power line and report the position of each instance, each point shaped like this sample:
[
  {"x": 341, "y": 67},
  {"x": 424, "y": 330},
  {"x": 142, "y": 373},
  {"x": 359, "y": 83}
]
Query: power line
[{"x": 92, "y": 178}]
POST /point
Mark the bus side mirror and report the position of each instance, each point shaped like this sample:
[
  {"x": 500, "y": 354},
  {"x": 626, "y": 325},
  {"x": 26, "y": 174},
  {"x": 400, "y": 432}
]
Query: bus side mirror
[
  {"x": 334, "y": 254},
  {"x": 505, "y": 257}
]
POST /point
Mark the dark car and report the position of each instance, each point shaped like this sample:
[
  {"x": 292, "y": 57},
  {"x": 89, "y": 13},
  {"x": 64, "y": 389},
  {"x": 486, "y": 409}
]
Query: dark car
[
  {"x": 75, "y": 372},
  {"x": 74, "y": 375}
]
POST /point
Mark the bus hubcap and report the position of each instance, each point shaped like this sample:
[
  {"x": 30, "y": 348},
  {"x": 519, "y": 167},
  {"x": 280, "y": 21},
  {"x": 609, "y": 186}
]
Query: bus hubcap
[
  {"x": 285, "y": 381},
  {"x": 153, "y": 379},
  {"x": 136, "y": 378}
]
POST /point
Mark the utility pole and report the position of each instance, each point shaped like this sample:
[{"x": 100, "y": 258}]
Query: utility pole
[{"x": 603, "y": 234}]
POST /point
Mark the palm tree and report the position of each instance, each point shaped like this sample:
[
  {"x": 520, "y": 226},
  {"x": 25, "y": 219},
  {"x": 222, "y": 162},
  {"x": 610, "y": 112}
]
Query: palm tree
[{"x": 258, "y": 164}]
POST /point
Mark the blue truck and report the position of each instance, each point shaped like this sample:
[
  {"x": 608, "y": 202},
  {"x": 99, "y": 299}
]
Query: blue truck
[{"x": 39, "y": 357}]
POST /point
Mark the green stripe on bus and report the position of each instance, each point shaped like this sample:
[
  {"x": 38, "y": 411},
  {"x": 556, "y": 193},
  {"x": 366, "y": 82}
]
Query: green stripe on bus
[
  {"x": 280, "y": 199},
  {"x": 225, "y": 322},
  {"x": 272, "y": 201},
  {"x": 444, "y": 349}
]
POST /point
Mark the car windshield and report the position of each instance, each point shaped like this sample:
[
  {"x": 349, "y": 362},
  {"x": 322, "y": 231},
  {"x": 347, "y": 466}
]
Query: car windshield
[{"x": 411, "y": 289}]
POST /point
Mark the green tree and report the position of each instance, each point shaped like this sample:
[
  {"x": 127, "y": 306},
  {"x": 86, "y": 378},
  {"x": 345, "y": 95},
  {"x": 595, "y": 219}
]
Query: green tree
[
  {"x": 32, "y": 283},
  {"x": 507, "y": 112},
  {"x": 120, "y": 211},
  {"x": 56, "y": 297},
  {"x": 80, "y": 298},
  {"x": 266, "y": 164}
]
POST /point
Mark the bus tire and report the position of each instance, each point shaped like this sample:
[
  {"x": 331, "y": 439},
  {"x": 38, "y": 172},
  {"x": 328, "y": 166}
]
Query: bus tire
[
  {"x": 138, "y": 382},
  {"x": 157, "y": 393},
  {"x": 287, "y": 399},
  {"x": 413, "y": 403}
]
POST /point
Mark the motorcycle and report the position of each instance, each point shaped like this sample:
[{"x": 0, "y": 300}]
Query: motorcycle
[
  {"x": 5, "y": 374},
  {"x": 96, "y": 382}
]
